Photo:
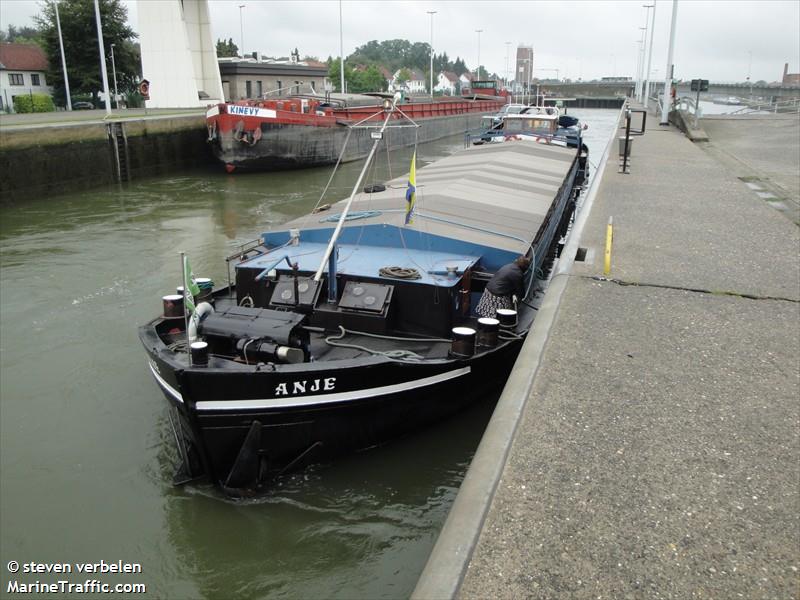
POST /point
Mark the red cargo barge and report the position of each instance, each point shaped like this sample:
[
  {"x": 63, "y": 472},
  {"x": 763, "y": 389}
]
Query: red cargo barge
[{"x": 306, "y": 131}]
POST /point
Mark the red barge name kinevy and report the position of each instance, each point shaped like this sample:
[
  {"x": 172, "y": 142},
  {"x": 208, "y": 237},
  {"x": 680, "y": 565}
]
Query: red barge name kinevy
[{"x": 307, "y": 131}]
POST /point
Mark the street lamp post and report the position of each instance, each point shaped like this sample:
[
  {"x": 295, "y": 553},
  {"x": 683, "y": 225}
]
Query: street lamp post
[
  {"x": 649, "y": 54},
  {"x": 241, "y": 27},
  {"x": 103, "y": 70},
  {"x": 508, "y": 47},
  {"x": 63, "y": 58},
  {"x": 341, "y": 51},
  {"x": 646, "y": 90},
  {"x": 478, "y": 69},
  {"x": 669, "y": 71},
  {"x": 431, "y": 13},
  {"x": 639, "y": 61},
  {"x": 114, "y": 71}
]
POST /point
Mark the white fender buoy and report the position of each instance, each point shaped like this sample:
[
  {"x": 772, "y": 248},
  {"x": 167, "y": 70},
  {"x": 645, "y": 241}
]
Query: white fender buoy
[{"x": 201, "y": 312}]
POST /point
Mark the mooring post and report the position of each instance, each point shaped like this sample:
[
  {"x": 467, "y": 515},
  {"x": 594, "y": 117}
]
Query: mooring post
[{"x": 627, "y": 140}]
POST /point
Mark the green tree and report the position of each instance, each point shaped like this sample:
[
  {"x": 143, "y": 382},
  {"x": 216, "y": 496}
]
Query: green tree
[
  {"x": 21, "y": 35},
  {"x": 403, "y": 76},
  {"x": 335, "y": 75},
  {"x": 79, "y": 31},
  {"x": 227, "y": 49},
  {"x": 368, "y": 80},
  {"x": 392, "y": 54}
]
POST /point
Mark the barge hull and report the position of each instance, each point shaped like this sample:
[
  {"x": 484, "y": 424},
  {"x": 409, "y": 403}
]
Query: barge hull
[
  {"x": 218, "y": 410},
  {"x": 291, "y": 146}
]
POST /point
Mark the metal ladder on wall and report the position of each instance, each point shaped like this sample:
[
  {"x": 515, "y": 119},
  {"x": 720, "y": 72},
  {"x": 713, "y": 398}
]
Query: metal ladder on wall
[{"x": 119, "y": 142}]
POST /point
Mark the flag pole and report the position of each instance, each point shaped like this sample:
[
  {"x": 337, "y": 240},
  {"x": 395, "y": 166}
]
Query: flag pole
[{"x": 185, "y": 317}]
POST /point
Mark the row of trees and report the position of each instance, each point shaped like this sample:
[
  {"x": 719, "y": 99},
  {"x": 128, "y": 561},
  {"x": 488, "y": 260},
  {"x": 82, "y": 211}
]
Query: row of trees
[
  {"x": 395, "y": 54},
  {"x": 20, "y": 35},
  {"x": 392, "y": 55},
  {"x": 79, "y": 33}
]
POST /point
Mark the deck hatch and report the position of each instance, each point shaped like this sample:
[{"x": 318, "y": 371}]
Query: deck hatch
[{"x": 360, "y": 295}]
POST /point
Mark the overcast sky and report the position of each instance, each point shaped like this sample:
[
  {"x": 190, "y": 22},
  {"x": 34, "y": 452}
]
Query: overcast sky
[{"x": 720, "y": 40}]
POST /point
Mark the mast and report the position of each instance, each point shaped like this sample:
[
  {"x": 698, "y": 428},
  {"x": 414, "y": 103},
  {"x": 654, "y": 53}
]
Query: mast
[{"x": 357, "y": 186}]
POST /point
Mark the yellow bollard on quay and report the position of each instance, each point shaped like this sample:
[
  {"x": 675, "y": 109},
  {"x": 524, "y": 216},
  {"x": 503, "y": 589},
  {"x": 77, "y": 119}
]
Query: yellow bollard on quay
[{"x": 609, "y": 240}]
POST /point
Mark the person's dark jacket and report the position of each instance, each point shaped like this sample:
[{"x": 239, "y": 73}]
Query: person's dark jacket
[{"x": 508, "y": 280}]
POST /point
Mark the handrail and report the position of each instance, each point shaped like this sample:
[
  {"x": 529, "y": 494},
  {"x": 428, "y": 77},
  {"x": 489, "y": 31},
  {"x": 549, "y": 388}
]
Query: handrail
[{"x": 771, "y": 106}]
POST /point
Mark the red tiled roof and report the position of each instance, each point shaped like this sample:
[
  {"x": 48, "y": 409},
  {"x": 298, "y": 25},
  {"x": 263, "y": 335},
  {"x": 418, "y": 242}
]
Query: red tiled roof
[
  {"x": 22, "y": 57},
  {"x": 450, "y": 76}
]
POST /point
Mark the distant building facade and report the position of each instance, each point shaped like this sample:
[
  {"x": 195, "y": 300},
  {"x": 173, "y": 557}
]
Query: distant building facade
[
  {"x": 254, "y": 78},
  {"x": 414, "y": 85},
  {"x": 447, "y": 83},
  {"x": 23, "y": 68},
  {"x": 789, "y": 78},
  {"x": 523, "y": 73}
]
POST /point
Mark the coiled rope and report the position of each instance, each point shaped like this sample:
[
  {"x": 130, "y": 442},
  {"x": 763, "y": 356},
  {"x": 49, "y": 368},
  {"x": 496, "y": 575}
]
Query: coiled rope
[{"x": 399, "y": 273}]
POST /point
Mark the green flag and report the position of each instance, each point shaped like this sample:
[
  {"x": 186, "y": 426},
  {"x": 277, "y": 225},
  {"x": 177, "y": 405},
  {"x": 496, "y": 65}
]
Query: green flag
[{"x": 190, "y": 288}]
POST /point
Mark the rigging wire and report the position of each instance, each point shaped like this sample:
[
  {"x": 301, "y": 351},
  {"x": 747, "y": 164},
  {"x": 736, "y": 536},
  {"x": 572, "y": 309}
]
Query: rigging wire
[{"x": 330, "y": 179}]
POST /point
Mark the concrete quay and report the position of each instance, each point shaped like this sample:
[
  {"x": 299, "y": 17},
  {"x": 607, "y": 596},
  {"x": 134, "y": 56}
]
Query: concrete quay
[
  {"x": 647, "y": 444},
  {"x": 51, "y": 153}
]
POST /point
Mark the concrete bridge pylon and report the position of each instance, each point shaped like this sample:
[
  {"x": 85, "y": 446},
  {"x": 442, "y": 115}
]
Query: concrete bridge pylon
[{"x": 179, "y": 57}]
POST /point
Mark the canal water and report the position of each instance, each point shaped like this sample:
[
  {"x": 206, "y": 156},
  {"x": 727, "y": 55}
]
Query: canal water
[{"x": 86, "y": 452}]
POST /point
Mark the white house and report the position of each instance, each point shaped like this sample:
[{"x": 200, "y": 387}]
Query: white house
[
  {"x": 414, "y": 85},
  {"x": 447, "y": 83},
  {"x": 22, "y": 71}
]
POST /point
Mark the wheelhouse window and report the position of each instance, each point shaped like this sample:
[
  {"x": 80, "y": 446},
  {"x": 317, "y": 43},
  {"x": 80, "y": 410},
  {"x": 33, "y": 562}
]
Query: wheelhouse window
[
  {"x": 16, "y": 79},
  {"x": 522, "y": 125}
]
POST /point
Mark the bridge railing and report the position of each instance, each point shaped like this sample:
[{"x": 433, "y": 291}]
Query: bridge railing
[{"x": 783, "y": 106}]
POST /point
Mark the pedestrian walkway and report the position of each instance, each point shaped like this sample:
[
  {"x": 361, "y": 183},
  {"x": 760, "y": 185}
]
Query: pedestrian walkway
[{"x": 658, "y": 452}]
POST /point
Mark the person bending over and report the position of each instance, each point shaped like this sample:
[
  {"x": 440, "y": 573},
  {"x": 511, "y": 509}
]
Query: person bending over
[{"x": 508, "y": 281}]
